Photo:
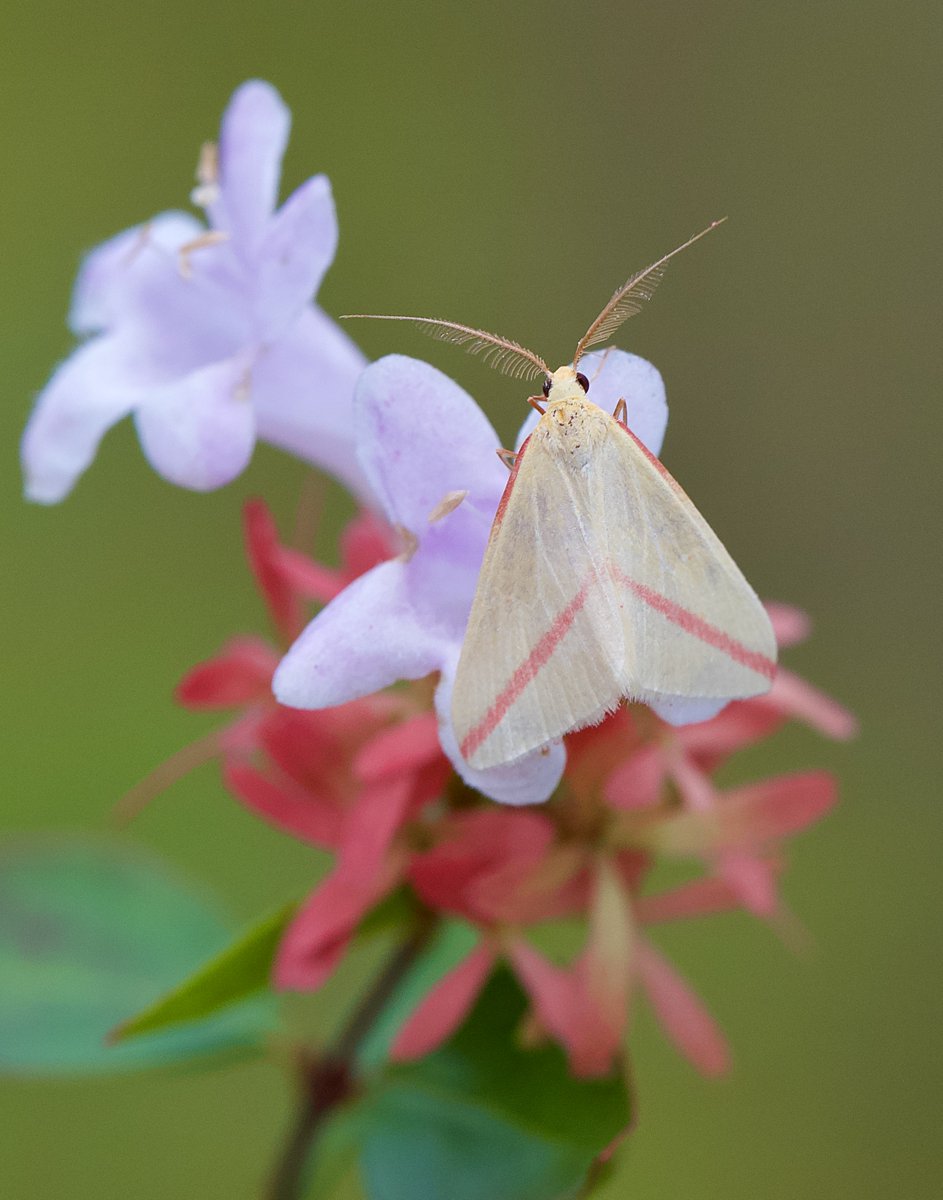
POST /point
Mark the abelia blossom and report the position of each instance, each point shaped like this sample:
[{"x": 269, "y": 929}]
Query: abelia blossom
[
  {"x": 207, "y": 333},
  {"x": 429, "y": 455},
  {"x": 367, "y": 780}
]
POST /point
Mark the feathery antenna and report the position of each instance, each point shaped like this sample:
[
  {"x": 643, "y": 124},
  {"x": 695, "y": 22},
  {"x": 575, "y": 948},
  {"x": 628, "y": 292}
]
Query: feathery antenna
[
  {"x": 629, "y": 298},
  {"x": 505, "y": 356}
]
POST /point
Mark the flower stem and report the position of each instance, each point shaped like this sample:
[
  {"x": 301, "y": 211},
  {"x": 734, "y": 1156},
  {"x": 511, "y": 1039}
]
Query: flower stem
[{"x": 328, "y": 1080}]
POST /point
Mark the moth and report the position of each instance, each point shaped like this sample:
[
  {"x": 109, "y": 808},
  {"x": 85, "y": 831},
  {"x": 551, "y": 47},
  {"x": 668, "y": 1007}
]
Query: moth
[{"x": 601, "y": 580}]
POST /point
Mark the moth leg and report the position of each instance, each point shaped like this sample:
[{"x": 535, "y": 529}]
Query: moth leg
[
  {"x": 536, "y": 402},
  {"x": 508, "y": 457},
  {"x": 620, "y": 412}
]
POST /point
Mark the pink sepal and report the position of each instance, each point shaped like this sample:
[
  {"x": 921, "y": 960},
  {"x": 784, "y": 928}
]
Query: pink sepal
[
  {"x": 240, "y": 674},
  {"x": 764, "y": 812},
  {"x": 793, "y": 697},
  {"x": 564, "y": 1007},
  {"x": 682, "y": 1015},
  {"x": 637, "y": 782},
  {"x": 460, "y": 873},
  {"x": 405, "y": 747},
  {"x": 286, "y": 805},
  {"x": 442, "y": 1009},
  {"x": 318, "y": 937},
  {"x": 263, "y": 548},
  {"x": 699, "y": 898},
  {"x": 310, "y": 579},
  {"x": 790, "y": 624}
]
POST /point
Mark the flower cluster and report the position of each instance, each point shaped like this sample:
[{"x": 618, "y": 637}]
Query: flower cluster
[
  {"x": 208, "y": 333},
  {"x": 368, "y": 780}
]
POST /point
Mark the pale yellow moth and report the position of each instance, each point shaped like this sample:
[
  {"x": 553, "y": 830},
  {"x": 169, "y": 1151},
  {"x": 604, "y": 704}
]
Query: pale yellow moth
[{"x": 601, "y": 580}]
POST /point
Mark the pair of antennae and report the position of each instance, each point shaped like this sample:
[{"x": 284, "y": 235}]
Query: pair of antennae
[{"x": 510, "y": 358}]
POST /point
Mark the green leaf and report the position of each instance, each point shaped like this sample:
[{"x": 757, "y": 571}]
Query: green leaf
[
  {"x": 484, "y": 1119},
  {"x": 241, "y": 970},
  {"x": 245, "y": 967},
  {"x": 89, "y": 932}
]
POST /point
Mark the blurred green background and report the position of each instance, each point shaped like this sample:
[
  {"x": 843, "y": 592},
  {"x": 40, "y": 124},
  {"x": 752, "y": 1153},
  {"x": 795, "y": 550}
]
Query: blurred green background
[{"x": 509, "y": 165}]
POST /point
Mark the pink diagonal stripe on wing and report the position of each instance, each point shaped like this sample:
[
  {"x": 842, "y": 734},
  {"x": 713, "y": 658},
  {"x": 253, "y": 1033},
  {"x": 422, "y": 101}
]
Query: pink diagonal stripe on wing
[
  {"x": 703, "y": 630},
  {"x": 526, "y": 671}
]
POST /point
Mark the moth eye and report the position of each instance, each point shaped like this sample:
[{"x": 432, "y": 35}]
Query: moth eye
[
  {"x": 582, "y": 381},
  {"x": 546, "y": 388}
]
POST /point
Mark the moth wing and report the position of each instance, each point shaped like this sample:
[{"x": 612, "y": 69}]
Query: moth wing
[
  {"x": 543, "y": 650},
  {"x": 694, "y": 628}
]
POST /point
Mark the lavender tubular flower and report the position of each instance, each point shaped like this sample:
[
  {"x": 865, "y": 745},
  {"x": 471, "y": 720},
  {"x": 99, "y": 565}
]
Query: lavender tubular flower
[{"x": 208, "y": 335}]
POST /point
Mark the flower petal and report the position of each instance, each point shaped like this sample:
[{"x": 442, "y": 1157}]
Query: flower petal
[
  {"x": 98, "y": 298},
  {"x": 616, "y": 375},
  {"x": 685, "y": 710},
  {"x": 199, "y": 432},
  {"x": 84, "y": 398},
  {"x": 421, "y": 437},
  {"x": 530, "y": 780},
  {"x": 681, "y": 1013},
  {"x": 443, "y": 1008},
  {"x": 302, "y": 390},
  {"x": 366, "y": 639},
  {"x": 253, "y": 137},
  {"x": 298, "y": 247}
]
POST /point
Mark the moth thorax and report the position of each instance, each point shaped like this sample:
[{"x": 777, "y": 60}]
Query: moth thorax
[{"x": 575, "y": 427}]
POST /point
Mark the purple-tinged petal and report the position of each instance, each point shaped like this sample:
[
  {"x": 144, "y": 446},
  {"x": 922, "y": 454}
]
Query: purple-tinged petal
[
  {"x": 685, "y": 710},
  {"x": 183, "y": 310},
  {"x": 298, "y": 247},
  {"x": 84, "y": 398},
  {"x": 616, "y": 375},
  {"x": 421, "y": 437},
  {"x": 530, "y": 780},
  {"x": 99, "y": 296},
  {"x": 253, "y": 137},
  {"x": 199, "y": 432},
  {"x": 366, "y": 639},
  {"x": 302, "y": 389}
]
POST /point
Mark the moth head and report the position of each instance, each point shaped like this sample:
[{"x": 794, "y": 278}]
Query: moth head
[{"x": 565, "y": 383}]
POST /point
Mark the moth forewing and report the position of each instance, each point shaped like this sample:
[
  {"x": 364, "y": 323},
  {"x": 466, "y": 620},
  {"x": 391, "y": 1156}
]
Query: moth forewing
[
  {"x": 543, "y": 650},
  {"x": 693, "y": 625}
]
